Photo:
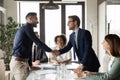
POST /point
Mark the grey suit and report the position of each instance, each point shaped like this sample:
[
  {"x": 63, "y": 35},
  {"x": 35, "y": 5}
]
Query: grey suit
[{"x": 113, "y": 74}]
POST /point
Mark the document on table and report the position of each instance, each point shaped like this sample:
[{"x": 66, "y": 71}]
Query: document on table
[
  {"x": 72, "y": 66},
  {"x": 46, "y": 65}
]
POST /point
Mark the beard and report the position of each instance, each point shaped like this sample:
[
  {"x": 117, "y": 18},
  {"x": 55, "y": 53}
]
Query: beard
[
  {"x": 71, "y": 28},
  {"x": 34, "y": 25}
]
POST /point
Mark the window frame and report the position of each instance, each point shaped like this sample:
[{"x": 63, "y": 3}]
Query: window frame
[{"x": 63, "y": 16}]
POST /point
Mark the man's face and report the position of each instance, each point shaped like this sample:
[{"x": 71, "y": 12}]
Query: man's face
[
  {"x": 71, "y": 24},
  {"x": 34, "y": 21}
]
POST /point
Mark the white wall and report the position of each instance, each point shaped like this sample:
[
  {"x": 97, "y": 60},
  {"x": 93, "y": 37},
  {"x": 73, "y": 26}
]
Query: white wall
[
  {"x": 102, "y": 32},
  {"x": 91, "y": 21},
  {"x": 11, "y": 8}
]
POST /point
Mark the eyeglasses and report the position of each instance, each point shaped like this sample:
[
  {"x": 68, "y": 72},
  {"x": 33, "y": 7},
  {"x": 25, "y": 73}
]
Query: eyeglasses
[{"x": 70, "y": 21}]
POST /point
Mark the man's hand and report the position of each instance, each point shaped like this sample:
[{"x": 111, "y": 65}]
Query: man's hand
[
  {"x": 82, "y": 74},
  {"x": 37, "y": 62},
  {"x": 79, "y": 69},
  {"x": 55, "y": 53}
]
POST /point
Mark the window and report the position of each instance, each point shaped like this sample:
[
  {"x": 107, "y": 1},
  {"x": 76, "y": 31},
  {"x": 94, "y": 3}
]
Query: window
[
  {"x": 73, "y": 10},
  {"x": 113, "y": 18},
  {"x": 56, "y": 21},
  {"x": 52, "y": 22},
  {"x": 52, "y": 25}
]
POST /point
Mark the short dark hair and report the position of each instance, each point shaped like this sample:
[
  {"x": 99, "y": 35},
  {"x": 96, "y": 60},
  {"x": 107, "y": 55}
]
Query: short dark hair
[
  {"x": 114, "y": 42},
  {"x": 62, "y": 37},
  {"x": 75, "y": 18},
  {"x": 30, "y": 14}
]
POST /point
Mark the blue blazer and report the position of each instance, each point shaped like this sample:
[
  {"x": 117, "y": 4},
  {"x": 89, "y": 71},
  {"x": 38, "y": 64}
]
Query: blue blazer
[{"x": 85, "y": 53}]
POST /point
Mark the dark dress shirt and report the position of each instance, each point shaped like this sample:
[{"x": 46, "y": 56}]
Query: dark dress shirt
[{"x": 23, "y": 42}]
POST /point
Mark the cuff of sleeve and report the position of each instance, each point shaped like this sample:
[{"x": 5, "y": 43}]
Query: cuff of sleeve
[
  {"x": 59, "y": 52},
  {"x": 81, "y": 64}
]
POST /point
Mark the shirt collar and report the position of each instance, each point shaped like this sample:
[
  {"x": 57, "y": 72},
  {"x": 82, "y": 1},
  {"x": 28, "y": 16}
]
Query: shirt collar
[{"x": 76, "y": 30}]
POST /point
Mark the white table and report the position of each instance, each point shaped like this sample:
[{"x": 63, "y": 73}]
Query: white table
[{"x": 52, "y": 73}]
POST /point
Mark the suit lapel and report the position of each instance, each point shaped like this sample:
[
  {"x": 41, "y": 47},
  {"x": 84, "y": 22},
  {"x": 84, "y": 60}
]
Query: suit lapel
[{"x": 79, "y": 38}]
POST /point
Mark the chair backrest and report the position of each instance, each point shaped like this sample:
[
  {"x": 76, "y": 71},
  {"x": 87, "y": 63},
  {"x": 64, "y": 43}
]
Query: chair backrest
[{"x": 2, "y": 70}]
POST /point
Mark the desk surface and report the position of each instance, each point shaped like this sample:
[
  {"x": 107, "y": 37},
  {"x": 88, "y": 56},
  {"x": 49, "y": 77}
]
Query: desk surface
[{"x": 50, "y": 72}]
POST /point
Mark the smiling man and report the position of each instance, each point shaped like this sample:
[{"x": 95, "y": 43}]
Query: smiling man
[
  {"x": 81, "y": 41},
  {"x": 22, "y": 48}
]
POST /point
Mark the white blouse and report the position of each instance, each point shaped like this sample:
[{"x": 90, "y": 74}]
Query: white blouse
[{"x": 62, "y": 57}]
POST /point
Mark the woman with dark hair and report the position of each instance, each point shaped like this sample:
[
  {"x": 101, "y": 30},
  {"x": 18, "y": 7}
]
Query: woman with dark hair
[
  {"x": 111, "y": 44},
  {"x": 60, "y": 41}
]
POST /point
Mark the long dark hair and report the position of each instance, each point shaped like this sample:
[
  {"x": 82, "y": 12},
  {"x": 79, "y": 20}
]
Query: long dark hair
[{"x": 114, "y": 42}]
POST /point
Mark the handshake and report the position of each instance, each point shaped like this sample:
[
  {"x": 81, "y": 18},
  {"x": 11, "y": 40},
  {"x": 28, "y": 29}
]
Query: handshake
[{"x": 55, "y": 53}]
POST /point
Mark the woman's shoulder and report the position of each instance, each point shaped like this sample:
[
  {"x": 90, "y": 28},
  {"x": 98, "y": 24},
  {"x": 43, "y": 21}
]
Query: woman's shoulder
[{"x": 117, "y": 59}]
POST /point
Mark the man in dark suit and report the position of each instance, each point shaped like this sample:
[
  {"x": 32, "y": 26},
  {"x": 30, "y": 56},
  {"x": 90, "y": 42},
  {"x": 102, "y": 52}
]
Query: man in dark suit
[
  {"x": 81, "y": 41},
  {"x": 22, "y": 48}
]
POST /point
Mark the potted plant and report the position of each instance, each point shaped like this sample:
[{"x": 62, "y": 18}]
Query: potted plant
[{"x": 7, "y": 33}]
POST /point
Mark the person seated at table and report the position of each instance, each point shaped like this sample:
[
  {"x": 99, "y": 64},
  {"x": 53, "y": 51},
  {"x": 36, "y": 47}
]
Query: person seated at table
[
  {"x": 60, "y": 41},
  {"x": 40, "y": 57},
  {"x": 111, "y": 44}
]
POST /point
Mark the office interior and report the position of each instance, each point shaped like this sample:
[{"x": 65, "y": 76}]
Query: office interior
[{"x": 100, "y": 17}]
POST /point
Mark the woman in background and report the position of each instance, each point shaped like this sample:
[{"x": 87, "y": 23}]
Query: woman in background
[
  {"x": 60, "y": 41},
  {"x": 111, "y": 44}
]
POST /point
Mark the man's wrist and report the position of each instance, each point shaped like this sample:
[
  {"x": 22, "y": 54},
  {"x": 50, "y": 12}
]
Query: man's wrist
[
  {"x": 58, "y": 51},
  {"x": 81, "y": 64}
]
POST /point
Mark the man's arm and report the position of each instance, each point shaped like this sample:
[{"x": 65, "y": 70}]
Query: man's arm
[
  {"x": 66, "y": 48},
  {"x": 29, "y": 31}
]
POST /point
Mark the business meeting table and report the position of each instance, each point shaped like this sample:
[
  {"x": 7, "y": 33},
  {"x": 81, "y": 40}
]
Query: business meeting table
[{"x": 50, "y": 71}]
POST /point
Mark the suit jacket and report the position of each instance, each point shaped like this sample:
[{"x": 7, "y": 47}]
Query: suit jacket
[
  {"x": 113, "y": 74},
  {"x": 85, "y": 53}
]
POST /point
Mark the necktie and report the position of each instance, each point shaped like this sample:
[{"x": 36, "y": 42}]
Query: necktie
[
  {"x": 75, "y": 46},
  {"x": 75, "y": 38}
]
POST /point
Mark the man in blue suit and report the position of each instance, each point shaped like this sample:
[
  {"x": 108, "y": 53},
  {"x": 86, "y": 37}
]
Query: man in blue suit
[{"x": 81, "y": 41}]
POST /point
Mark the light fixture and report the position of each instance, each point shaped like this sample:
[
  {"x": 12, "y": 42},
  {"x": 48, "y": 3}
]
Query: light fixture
[{"x": 50, "y": 5}]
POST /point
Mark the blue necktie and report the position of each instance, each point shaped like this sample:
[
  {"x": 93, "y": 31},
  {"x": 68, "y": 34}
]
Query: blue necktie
[{"x": 75, "y": 46}]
